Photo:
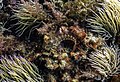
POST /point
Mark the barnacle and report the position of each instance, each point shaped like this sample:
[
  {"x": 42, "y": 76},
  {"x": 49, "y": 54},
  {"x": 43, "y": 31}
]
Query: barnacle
[
  {"x": 107, "y": 21},
  {"x": 55, "y": 41},
  {"x": 18, "y": 69},
  {"x": 106, "y": 61}
]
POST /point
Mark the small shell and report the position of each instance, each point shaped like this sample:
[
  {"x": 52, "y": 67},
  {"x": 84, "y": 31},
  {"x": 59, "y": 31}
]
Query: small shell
[
  {"x": 78, "y": 32},
  {"x": 63, "y": 63},
  {"x": 46, "y": 38},
  {"x": 64, "y": 55},
  {"x": 63, "y": 30},
  {"x": 92, "y": 41}
]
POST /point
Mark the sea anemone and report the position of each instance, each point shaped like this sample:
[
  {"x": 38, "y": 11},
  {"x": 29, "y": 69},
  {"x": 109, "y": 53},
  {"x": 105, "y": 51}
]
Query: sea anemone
[
  {"x": 29, "y": 15},
  {"x": 106, "y": 61},
  {"x": 107, "y": 21},
  {"x": 18, "y": 69}
]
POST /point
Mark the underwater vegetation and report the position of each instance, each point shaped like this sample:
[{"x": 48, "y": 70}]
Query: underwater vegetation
[
  {"x": 59, "y": 40},
  {"x": 18, "y": 69}
]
